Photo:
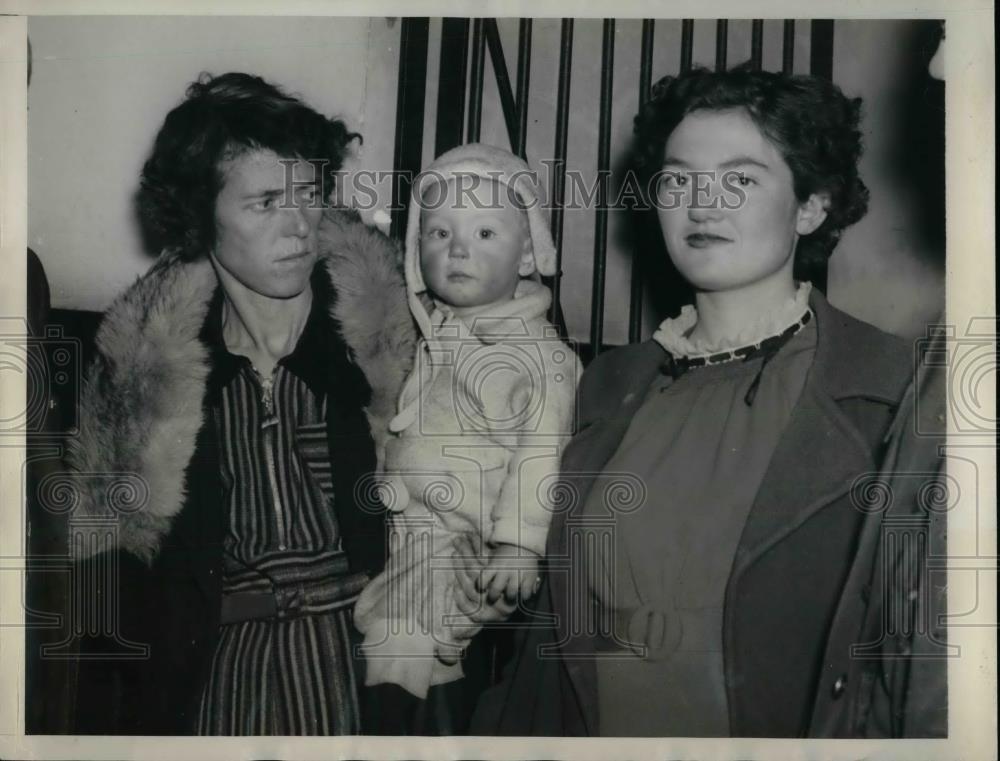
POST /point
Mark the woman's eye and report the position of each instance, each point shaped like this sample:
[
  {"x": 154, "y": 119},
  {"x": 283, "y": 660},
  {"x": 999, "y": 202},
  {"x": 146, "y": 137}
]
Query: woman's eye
[
  {"x": 745, "y": 181},
  {"x": 265, "y": 204},
  {"x": 675, "y": 179}
]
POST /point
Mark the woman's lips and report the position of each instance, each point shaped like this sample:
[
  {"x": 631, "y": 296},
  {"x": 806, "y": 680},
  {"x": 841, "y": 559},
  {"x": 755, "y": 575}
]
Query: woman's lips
[
  {"x": 295, "y": 257},
  {"x": 704, "y": 240}
]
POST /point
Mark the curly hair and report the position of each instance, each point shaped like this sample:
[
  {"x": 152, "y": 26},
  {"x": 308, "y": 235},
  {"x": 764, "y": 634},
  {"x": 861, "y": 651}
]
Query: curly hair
[
  {"x": 812, "y": 123},
  {"x": 221, "y": 118}
]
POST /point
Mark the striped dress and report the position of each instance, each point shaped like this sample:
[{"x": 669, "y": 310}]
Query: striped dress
[{"x": 290, "y": 674}]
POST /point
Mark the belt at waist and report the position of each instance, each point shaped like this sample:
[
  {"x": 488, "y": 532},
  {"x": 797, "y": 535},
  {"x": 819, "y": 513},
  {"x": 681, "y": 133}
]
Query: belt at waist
[{"x": 293, "y": 600}]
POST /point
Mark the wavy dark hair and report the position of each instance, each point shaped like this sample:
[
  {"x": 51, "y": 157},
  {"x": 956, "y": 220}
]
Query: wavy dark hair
[
  {"x": 812, "y": 123},
  {"x": 221, "y": 118}
]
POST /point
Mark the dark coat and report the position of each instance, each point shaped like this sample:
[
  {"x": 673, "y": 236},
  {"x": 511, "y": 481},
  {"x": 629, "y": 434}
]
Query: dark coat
[
  {"x": 146, "y": 417},
  {"x": 792, "y": 605}
]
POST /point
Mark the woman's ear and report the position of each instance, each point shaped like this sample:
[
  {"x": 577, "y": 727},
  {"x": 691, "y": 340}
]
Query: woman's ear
[
  {"x": 526, "y": 265},
  {"x": 812, "y": 213}
]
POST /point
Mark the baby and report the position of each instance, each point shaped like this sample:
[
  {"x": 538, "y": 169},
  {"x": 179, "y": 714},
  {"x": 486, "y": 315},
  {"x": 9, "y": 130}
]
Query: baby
[{"x": 482, "y": 418}]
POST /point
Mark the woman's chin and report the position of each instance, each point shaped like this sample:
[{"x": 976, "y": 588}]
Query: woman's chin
[
  {"x": 719, "y": 275},
  {"x": 713, "y": 279}
]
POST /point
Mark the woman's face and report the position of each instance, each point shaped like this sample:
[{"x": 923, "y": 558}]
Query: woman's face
[
  {"x": 727, "y": 205},
  {"x": 266, "y": 217}
]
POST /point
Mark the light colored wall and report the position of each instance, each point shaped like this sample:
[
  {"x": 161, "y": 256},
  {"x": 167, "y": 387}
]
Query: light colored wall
[
  {"x": 101, "y": 87},
  {"x": 884, "y": 270}
]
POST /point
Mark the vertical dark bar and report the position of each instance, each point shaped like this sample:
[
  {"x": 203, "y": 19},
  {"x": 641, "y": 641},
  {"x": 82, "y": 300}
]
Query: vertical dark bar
[
  {"x": 603, "y": 167},
  {"x": 788, "y": 47},
  {"x": 756, "y": 44},
  {"x": 646, "y": 61},
  {"x": 820, "y": 65},
  {"x": 721, "y": 43},
  {"x": 451, "y": 84},
  {"x": 645, "y": 82},
  {"x": 559, "y": 178},
  {"x": 476, "y": 82},
  {"x": 687, "y": 44},
  {"x": 507, "y": 103},
  {"x": 409, "y": 116},
  {"x": 523, "y": 76},
  {"x": 821, "y": 48}
]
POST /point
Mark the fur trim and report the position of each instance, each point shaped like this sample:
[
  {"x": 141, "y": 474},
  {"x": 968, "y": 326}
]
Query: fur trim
[
  {"x": 141, "y": 403},
  {"x": 371, "y": 309}
]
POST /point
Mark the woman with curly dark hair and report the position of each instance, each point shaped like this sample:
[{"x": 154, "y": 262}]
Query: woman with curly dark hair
[
  {"x": 221, "y": 119},
  {"x": 704, "y": 575},
  {"x": 240, "y": 392}
]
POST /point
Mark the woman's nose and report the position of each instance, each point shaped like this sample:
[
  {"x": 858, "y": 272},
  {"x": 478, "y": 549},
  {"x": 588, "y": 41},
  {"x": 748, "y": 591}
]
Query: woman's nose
[
  {"x": 704, "y": 203},
  {"x": 296, "y": 221},
  {"x": 707, "y": 210}
]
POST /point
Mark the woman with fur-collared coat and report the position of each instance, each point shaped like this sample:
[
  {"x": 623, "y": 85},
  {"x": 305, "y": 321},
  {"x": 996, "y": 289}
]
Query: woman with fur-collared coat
[
  {"x": 229, "y": 429},
  {"x": 169, "y": 565}
]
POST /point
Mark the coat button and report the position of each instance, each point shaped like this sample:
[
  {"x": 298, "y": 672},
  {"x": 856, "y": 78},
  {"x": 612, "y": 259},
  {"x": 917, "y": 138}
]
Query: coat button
[{"x": 839, "y": 686}]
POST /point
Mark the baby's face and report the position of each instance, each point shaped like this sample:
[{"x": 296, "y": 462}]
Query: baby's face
[{"x": 473, "y": 256}]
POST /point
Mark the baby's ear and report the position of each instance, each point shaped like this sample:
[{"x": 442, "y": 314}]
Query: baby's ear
[{"x": 526, "y": 266}]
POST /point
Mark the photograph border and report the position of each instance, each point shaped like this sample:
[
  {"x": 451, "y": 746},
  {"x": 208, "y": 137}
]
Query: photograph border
[{"x": 970, "y": 296}]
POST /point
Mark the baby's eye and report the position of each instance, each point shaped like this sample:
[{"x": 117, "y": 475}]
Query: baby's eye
[
  {"x": 437, "y": 233},
  {"x": 486, "y": 233}
]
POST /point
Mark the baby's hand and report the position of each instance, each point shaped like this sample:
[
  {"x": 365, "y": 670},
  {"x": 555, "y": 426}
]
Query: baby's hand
[{"x": 512, "y": 573}]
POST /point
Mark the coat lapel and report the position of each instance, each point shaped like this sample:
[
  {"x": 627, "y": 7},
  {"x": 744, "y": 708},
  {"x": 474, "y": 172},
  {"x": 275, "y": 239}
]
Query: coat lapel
[
  {"x": 821, "y": 449},
  {"x": 819, "y": 456},
  {"x": 818, "y": 459},
  {"x": 819, "y": 433}
]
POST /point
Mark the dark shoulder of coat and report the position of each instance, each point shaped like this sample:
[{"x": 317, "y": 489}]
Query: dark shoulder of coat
[
  {"x": 865, "y": 370},
  {"x": 864, "y": 361},
  {"x": 612, "y": 376}
]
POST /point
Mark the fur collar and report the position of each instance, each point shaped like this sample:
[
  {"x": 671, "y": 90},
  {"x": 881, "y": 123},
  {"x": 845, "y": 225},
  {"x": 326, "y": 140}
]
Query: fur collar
[{"x": 141, "y": 403}]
